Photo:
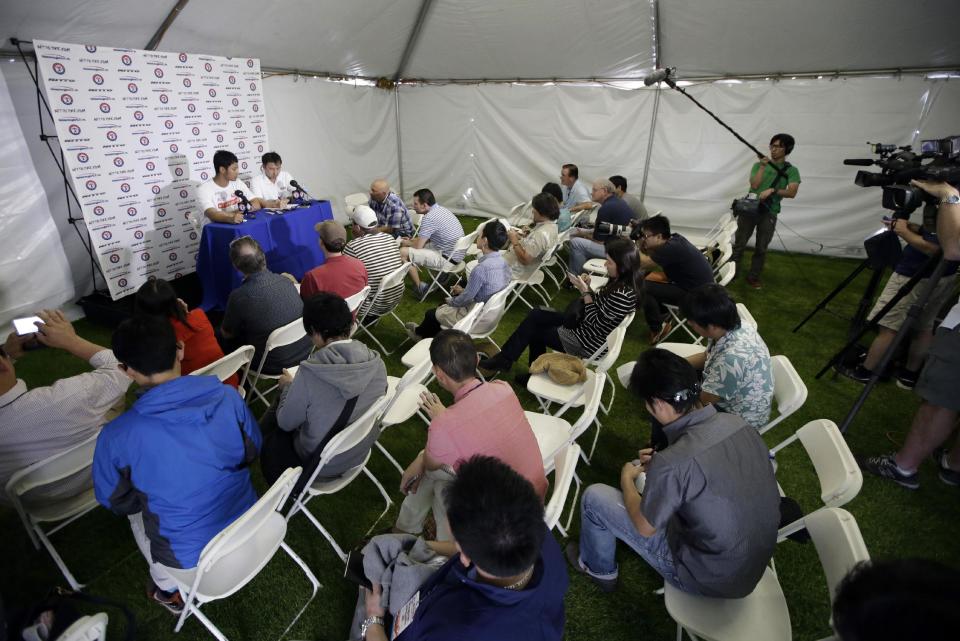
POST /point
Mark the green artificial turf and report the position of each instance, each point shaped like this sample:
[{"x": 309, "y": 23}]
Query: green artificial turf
[{"x": 895, "y": 522}]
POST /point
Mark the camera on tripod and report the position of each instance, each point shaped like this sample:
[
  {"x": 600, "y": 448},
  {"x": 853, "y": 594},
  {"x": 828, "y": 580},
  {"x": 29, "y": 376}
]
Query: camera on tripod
[{"x": 938, "y": 160}]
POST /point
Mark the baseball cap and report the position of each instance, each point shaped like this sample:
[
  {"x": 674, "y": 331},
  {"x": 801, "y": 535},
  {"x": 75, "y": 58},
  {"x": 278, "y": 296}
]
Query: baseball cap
[
  {"x": 363, "y": 216},
  {"x": 331, "y": 231}
]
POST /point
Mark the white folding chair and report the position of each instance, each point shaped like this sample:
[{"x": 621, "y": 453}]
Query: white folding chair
[
  {"x": 354, "y": 302},
  {"x": 87, "y": 628},
  {"x": 58, "y": 489},
  {"x": 554, "y": 433},
  {"x": 548, "y": 392},
  {"x": 280, "y": 337},
  {"x": 726, "y": 253},
  {"x": 415, "y": 220},
  {"x": 789, "y": 392},
  {"x": 342, "y": 442},
  {"x": 223, "y": 368},
  {"x": 404, "y": 401},
  {"x": 596, "y": 266},
  {"x": 746, "y": 318},
  {"x": 726, "y": 273},
  {"x": 837, "y": 470},
  {"x": 839, "y": 544},
  {"x": 451, "y": 268},
  {"x": 534, "y": 282},
  {"x": 493, "y": 311},
  {"x": 564, "y": 472},
  {"x": 388, "y": 282},
  {"x": 353, "y": 200},
  {"x": 421, "y": 350},
  {"x": 237, "y": 554},
  {"x": 520, "y": 214},
  {"x": 702, "y": 241}
]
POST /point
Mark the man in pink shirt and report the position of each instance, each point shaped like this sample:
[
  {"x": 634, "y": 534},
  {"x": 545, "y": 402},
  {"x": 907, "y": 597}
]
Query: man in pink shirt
[
  {"x": 339, "y": 274},
  {"x": 485, "y": 419}
]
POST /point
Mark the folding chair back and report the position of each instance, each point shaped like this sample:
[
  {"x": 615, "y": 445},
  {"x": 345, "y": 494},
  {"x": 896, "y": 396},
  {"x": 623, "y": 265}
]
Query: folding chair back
[
  {"x": 840, "y": 476},
  {"x": 353, "y": 200},
  {"x": 789, "y": 391},
  {"x": 839, "y": 544},
  {"x": 87, "y": 628},
  {"x": 229, "y": 365},
  {"x": 493, "y": 310},
  {"x": 354, "y": 302},
  {"x": 726, "y": 273},
  {"x": 234, "y": 556},
  {"x": 593, "y": 392},
  {"x": 604, "y": 358},
  {"x": 746, "y": 318},
  {"x": 466, "y": 323},
  {"x": 726, "y": 253},
  {"x": 565, "y": 467},
  {"x": 388, "y": 282}
]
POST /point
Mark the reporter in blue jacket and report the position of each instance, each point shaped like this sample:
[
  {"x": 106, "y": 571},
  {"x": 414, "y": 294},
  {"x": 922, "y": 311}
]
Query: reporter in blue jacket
[{"x": 176, "y": 461}]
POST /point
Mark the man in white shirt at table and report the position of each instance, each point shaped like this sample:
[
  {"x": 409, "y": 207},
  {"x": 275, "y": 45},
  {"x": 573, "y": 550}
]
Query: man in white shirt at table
[
  {"x": 218, "y": 196},
  {"x": 272, "y": 186}
]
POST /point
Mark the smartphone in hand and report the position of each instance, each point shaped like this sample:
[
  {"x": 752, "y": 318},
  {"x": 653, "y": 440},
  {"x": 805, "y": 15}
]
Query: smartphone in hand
[{"x": 26, "y": 326}]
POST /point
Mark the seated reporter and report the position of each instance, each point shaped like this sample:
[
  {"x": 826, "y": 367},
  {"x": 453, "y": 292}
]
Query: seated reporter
[
  {"x": 684, "y": 268},
  {"x": 737, "y": 375},
  {"x": 490, "y": 276},
  {"x": 603, "y": 311},
  {"x": 706, "y": 519},
  {"x": 310, "y": 403},
  {"x": 505, "y": 579}
]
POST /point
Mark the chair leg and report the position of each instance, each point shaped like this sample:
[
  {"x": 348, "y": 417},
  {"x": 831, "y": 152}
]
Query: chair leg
[
  {"x": 573, "y": 504},
  {"x": 389, "y": 456},
  {"x": 207, "y": 623},
  {"x": 329, "y": 537},
  {"x": 74, "y": 584},
  {"x": 386, "y": 497},
  {"x": 310, "y": 576},
  {"x": 596, "y": 436}
]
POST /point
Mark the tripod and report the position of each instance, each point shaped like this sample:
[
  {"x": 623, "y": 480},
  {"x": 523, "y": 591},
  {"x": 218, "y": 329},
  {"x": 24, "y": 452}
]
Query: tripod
[{"x": 913, "y": 314}]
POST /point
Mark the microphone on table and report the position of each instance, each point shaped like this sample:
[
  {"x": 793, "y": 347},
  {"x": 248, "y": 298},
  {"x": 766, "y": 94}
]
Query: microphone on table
[
  {"x": 660, "y": 75},
  {"x": 245, "y": 204},
  {"x": 296, "y": 185}
]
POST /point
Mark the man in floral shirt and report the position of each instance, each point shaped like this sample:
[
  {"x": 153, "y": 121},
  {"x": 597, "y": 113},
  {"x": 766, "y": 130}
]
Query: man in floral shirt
[{"x": 737, "y": 376}]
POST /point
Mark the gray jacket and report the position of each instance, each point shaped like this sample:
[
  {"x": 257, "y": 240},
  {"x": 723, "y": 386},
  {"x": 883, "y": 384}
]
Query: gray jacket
[{"x": 323, "y": 384}]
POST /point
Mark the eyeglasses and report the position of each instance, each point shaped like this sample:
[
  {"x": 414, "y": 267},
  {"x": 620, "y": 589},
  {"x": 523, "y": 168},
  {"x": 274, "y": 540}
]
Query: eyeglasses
[{"x": 776, "y": 146}]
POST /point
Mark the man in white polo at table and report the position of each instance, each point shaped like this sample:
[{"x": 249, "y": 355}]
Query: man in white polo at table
[
  {"x": 218, "y": 196},
  {"x": 433, "y": 245},
  {"x": 273, "y": 185}
]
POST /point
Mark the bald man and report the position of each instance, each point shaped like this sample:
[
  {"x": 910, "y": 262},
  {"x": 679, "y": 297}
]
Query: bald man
[
  {"x": 587, "y": 244},
  {"x": 392, "y": 216}
]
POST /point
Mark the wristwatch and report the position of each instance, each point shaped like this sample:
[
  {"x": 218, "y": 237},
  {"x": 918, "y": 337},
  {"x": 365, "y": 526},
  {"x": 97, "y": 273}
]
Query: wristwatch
[
  {"x": 953, "y": 199},
  {"x": 374, "y": 620}
]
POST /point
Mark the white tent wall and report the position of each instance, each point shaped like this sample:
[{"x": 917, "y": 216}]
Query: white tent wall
[
  {"x": 334, "y": 137},
  {"x": 500, "y": 143},
  {"x": 34, "y": 270}
]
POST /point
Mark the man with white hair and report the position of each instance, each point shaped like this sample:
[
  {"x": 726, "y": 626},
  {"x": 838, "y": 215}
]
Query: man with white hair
[
  {"x": 392, "y": 216},
  {"x": 586, "y": 244},
  {"x": 380, "y": 256}
]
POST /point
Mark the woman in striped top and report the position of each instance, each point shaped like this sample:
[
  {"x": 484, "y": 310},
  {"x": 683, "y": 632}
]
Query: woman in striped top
[{"x": 603, "y": 310}]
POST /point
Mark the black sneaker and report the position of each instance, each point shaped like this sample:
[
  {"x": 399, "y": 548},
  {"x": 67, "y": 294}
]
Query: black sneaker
[
  {"x": 859, "y": 373},
  {"x": 947, "y": 475},
  {"x": 498, "y": 363},
  {"x": 906, "y": 379},
  {"x": 573, "y": 557},
  {"x": 172, "y": 601},
  {"x": 886, "y": 467}
]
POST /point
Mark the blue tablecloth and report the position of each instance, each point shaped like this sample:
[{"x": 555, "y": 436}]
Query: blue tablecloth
[{"x": 288, "y": 240}]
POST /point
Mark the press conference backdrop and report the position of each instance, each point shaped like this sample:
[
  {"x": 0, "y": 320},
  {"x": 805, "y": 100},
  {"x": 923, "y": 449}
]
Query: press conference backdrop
[{"x": 138, "y": 130}]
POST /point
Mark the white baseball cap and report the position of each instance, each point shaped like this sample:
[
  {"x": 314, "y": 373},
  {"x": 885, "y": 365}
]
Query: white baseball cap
[{"x": 364, "y": 217}]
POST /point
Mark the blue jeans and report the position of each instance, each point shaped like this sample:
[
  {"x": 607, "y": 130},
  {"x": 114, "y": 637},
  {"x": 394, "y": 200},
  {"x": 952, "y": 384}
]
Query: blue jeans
[
  {"x": 582, "y": 249},
  {"x": 603, "y": 520}
]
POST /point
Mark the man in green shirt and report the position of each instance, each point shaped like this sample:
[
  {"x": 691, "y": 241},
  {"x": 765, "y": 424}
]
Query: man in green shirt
[{"x": 772, "y": 179}]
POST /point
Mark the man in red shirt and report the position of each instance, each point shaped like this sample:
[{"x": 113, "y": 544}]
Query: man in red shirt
[
  {"x": 485, "y": 418},
  {"x": 339, "y": 274}
]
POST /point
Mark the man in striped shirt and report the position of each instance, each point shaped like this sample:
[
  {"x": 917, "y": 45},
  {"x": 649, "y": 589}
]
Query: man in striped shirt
[
  {"x": 490, "y": 276},
  {"x": 392, "y": 216},
  {"x": 434, "y": 243},
  {"x": 379, "y": 254}
]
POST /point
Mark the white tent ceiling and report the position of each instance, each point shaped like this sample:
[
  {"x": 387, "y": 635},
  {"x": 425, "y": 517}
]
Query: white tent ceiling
[{"x": 484, "y": 39}]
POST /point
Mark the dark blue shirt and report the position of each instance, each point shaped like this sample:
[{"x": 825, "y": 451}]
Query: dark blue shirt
[
  {"x": 455, "y": 605},
  {"x": 614, "y": 211},
  {"x": 684, "y": 264},
  {"x": 912, "y": 259}
]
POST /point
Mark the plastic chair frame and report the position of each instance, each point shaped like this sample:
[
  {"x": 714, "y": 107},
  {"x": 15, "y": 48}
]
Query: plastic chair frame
[{"x": 390, "y": 280}]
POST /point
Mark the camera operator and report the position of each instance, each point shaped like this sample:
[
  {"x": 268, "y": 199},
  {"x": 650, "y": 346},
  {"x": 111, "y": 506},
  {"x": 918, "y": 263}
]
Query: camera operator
[
  {"x": 921, "y": 244},
  {"x": 772, "y": 179},
  {"x": 585, "y": 244},
  {"x": 938, "y": 385}
]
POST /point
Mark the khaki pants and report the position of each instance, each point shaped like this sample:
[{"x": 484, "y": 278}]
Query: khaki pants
[{"x": 415, "y": 507}]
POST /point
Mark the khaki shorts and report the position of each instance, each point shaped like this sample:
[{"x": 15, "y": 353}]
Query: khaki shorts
[
  {"x": 448, "y": 316},
  {"x": 427, "y": 257},
  {"x": 938, "y": 383},
  {"x": 895, "y": 317}
]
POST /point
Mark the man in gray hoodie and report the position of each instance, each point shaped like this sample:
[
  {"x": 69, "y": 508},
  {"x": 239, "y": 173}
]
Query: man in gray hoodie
[{"x": 311, "y": 401}]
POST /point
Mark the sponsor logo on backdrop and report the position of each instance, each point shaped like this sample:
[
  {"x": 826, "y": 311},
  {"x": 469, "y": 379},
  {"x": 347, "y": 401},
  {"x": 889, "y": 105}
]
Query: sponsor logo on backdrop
[
  {"x": 199, "y": 153},
  {"x": 74, "y": 129},
  {"x": 138, "y": 234},
  {"x": 167, "y": 233},
  {"x": 235, "y": 102},
  {"x": 172, "y": 256},
  {"x": 208, "y": 66},
  {"x": 216, "y": 115},
  {"x": 97, "y": 79},
  {"x": 138, "y": 115},
  {"x": 241, "y": 144},
  {"x": 164, "y": 98},
  {"x": 158, "y": 72},
  {"x": 105, "y": 107},
  {"x": 232, "y": 80},
  {"x": 219, "y": 137},
  {"x": 91, "y": 185},
  {"x": 191, "y": 107},
  {"x": 145, "y": 256},
  {"x": 66, "y": 99},
  {"x": 132, "y": 87},
  {"x": 91, "y": 48},
  {"x": 144, "y": 141},
  {"x": 82, "y": 157},
  {"x": 125, "y": 187},
  {"x": 59, "y": 69},
  {"x": 127, "y": 60},
  {"x": 118, "y": 161},
  {"x": 155, "y": 189},
  {"x": 250, "y": 63},
  {"x": 114, "y": 258},
  {"x": 184, "y": 193},
  {"x": 213, "y": 93},
  {"x": 106, "y": 235},
  {"x": 122, "y": 282},
  {"x": 195, "y": 131},
  {"x": 255, "y": 107},
  {"x": 173, "y": 148},
  {"x": 178, "y": 171},
  {"x": 183, "y": 57},
  {"x": 243, "y": 165},
  {"x": 151, "y": 165},
  {"x": 112, "y": 136},
  {"x": 131, "y": 211},
  {"x": 192, "y": 235},
  {"x": 98, "y": 210},
  {"x": 161, "y": 212},
  {"x": 186, "y": 82},
  {"x": 168, "y": 124},
  {"x": 203, "y": 175}
]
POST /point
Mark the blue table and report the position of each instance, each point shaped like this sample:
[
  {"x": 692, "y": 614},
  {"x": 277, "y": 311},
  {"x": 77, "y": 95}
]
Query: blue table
[{"x": 288, "y": 240}]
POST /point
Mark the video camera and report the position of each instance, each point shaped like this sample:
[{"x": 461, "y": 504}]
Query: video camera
[{"x": 900, "y": 165}]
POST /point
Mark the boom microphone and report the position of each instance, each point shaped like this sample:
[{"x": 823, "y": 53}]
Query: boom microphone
[
  {"x": 658, "y": 76},
  {"x": 860, "y": 162}
]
